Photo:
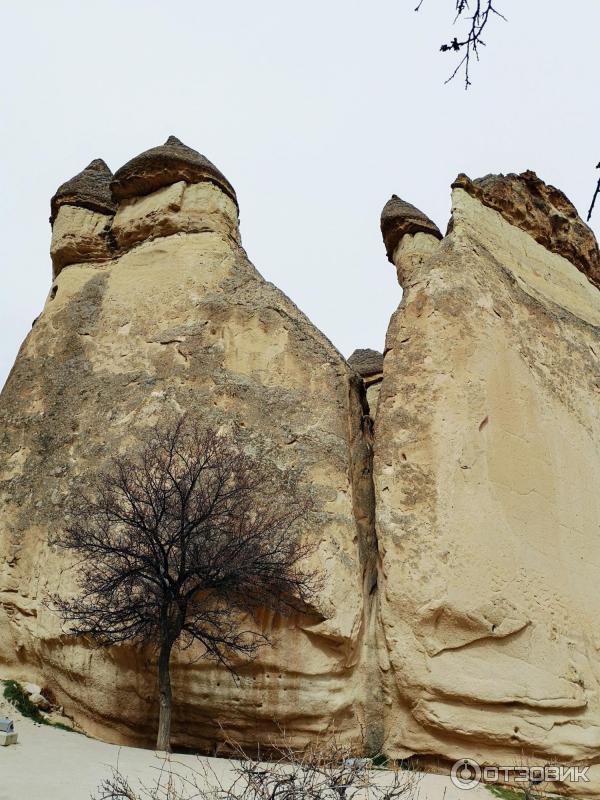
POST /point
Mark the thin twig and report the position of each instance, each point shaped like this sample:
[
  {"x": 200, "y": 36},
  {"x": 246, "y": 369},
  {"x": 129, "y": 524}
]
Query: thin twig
[
  {"x": 473, "y": 41},
  {"x": 594, "y": 198}
]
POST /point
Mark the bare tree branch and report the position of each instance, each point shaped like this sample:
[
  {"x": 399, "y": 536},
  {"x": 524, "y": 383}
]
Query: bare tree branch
[
  {"x": 323, "y": 770},
  {"x": 469, "y": 45},
  {"x": 595, "y": 197}
]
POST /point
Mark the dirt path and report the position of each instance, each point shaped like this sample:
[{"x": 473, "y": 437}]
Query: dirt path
[{"x": 51, "y": 764}]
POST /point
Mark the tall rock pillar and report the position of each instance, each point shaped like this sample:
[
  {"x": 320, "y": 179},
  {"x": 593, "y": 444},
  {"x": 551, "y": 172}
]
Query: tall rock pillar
[
  {"x": 487, "y": 467},
  {"x": 156, "y": 311}
]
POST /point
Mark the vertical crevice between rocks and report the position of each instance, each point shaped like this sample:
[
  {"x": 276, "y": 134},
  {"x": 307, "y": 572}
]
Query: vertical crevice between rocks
[{"x": 363, "y": 506}]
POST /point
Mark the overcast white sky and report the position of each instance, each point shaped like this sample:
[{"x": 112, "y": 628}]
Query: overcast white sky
[{"x": 316, "y": 111}]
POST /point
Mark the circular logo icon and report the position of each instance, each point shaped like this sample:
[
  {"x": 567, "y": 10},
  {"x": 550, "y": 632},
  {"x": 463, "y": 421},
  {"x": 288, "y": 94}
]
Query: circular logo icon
[{"x": 465, "y": 774}]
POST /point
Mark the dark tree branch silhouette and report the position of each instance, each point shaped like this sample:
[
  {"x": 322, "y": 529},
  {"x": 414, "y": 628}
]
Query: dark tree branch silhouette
[
  {"x": 323, "y": 770},
  {"x": 595, "y": 197},
  {"x": 469, "y": 45},
  {"x": 179, "y": 545},
  {"x": 471, "y": 42}
]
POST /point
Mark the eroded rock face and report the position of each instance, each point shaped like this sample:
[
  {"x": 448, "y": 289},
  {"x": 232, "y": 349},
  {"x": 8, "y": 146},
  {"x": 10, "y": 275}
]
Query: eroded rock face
[
  {"x": 400, "y": 218},
  {"x": 366, "y": 362},
  {"x": 369, "y": 365},
  {"x": 458, "y": 528},
  {"x": 81, "y": 217},
  {"x": 173, "y": 319},
  {"x": 88, "y": 189},
  {"x": 163, "y": 166},
  {"x": 543, "y": 211},
  {"x": 487, "y": 462}
]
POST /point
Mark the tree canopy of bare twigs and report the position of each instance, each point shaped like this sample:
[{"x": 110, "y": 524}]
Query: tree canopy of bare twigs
[
  {"x": 326, "y": 770},
  {"x": 178, "y": 544}
]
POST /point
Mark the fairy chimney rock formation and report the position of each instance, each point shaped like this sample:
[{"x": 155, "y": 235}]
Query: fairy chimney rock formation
[
  {"x": 81, "y": 214},
  {"x": 89, "y": 189},
  {"x": 165, "y": 190},
  {"x": 408, "y": 234},
  {"x": 487, "y": 463},
  {"x": 171, "y": 189},
  {"x": 156, "y": 311},
  {"x": 455, "y": 478}
]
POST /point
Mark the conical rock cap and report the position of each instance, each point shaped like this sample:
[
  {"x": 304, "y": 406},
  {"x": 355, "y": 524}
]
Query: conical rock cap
[{"x": 162, "y": 166}]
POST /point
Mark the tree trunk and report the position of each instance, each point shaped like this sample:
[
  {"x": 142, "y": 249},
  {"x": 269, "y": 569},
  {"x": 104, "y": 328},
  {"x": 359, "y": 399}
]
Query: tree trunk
[{"x": 163, "y": 739}]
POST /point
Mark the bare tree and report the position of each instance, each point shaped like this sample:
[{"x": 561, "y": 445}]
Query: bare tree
[{"x": 179, "y": 544}]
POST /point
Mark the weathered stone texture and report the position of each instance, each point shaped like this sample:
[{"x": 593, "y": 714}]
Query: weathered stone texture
[
  {"x": 486, "y": 465},
  {"x": 90, "y": 189},
  {"x": 399, "y": 218},
  {"x": 455, "y": 477},
  {"x": 178, "y": 320},
  {"x": 543, "y": 211},
  {"x": 366, "y": 362},
  {"x": 80, "y": 235},
  {"x": 369, "y": 365},
  {"x": 163, "y": 166}
]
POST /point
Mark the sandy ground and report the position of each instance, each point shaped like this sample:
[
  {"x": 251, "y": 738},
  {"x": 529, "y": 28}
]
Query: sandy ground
[{"x": 51, "y": 764}]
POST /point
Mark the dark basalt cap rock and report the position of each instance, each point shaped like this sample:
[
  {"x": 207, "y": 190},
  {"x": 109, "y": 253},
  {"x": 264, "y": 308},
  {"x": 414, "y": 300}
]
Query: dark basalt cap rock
[
  {"x": 162, "y": 166},
  {"x": 88, "y": 189},
  {"x": 399, "y": 218},
  {"x": 541, "y": 210},
  {"x": 366, "y": 362}
]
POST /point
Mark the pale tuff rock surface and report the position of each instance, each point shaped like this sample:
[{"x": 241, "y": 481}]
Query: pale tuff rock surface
[
  {"x": 543, "y": 211},
  {"x": 457, "y": 513},
  {"x": 178, "y": 320},
  {"x": 486, "y": 467},
  {"x": 179, "y": 208},
  {"x": 80, "y": 235}
]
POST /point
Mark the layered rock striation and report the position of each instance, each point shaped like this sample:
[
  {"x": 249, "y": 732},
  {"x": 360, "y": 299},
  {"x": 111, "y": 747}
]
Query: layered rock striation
[{"x": 81, "y": 215}]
